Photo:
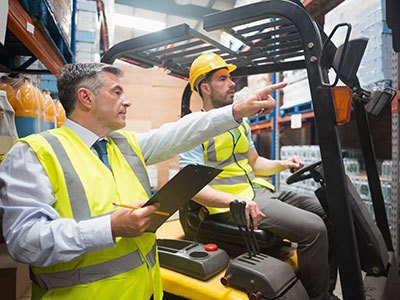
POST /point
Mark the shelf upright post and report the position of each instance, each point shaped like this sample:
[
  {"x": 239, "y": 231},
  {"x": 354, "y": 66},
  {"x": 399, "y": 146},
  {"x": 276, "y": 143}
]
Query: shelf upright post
[
  {"x": 275, "y": 133},
  {"x": 73, "y": 29},
  {"x": 396, "y": 156}
]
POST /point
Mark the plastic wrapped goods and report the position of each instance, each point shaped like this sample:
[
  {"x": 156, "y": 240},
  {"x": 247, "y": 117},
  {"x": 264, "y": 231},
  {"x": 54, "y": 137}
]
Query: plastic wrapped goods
[
  {"x": 8, "y": 85},
  {"x": 60, "y": 114},
  {"x": 29, "y": 109},
  {"x": 8, "y": 132},
  {"x": 50, "y": 111},
  {"x": 28, "y": 104}
]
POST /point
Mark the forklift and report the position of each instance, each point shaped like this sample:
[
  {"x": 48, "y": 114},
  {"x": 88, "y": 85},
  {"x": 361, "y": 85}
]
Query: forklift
[{"x": 279, "y": 35}]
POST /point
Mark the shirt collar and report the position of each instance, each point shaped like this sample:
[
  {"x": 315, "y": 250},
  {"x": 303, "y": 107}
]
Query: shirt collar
[{"x": 88, "y": 137}]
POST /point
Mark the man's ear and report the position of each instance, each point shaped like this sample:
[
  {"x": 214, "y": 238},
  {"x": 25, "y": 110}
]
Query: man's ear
[
  {"x": 205, "y": 88},
  {"x": 85, "y": 97}
]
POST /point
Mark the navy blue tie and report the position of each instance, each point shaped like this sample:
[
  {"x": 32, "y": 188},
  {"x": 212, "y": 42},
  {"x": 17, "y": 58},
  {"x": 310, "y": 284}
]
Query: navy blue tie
[{"x": 101, "y": 149}]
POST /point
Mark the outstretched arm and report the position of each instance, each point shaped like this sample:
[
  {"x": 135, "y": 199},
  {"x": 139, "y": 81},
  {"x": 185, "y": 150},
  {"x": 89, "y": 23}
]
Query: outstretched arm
[
  {"x": 260, "y": 102},
  {"x": 193, "y": 129}
]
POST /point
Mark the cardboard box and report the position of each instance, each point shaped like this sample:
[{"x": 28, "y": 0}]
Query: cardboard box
[
  {"x": 6, "y": 143},
  {"x": 14, "y": 277}
]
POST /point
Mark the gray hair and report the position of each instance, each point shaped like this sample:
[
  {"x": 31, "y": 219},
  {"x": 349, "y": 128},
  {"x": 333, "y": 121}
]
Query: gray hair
[{"x": 72, "y": 77}]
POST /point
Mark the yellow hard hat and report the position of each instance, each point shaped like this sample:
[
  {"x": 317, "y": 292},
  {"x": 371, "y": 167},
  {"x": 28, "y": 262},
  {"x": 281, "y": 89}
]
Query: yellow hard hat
[{"x": 204, "y": 64}]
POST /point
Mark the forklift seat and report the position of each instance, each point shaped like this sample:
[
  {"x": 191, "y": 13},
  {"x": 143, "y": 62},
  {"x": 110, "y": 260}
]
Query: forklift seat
[{"x": 225, "y": 235}]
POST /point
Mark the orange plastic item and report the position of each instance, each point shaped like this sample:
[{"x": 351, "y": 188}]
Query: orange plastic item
[
  {"x": 50, "y": 110},
  {"x": 342, "y": 98},
  {"x": 40, "y": 100},
  {"x": 11, "y": 86},
  {"x": 10, "y": 93},
  {"x": 60, "y": 114},
  {"x": 27, "y": 104}
]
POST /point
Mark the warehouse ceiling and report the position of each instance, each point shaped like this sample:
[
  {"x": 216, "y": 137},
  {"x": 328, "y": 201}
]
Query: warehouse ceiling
[
  {"x": 167, "y": 13},
  {"x": 193, "y": 9}
]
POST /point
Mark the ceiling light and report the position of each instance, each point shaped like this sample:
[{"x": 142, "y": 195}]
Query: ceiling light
[
  {"x": 123, "y": 20},
  {"x": 138, "y": 23},
  {"x": 183, "y": 2}
]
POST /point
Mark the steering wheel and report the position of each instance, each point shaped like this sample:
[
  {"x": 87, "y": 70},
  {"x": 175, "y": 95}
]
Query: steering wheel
[{"x": 305, "y": 173}]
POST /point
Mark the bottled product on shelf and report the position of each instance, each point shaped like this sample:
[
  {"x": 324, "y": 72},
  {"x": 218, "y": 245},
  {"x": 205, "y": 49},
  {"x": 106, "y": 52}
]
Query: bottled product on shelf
[
  {"x": 386, "y": 170},
  {"x": 351, "y": 163},
  {"x": 351, "y": 166},
  {"x": 34, "y": 111},
  {"x": 6, "y": 84},
  {"x": 8, "y": 133},
  {"x": 368, "y": 20},
  {"x": 29, "y": 109},
  {"x": 60, "y": 117},
  {"x": 50, "y": 111}
]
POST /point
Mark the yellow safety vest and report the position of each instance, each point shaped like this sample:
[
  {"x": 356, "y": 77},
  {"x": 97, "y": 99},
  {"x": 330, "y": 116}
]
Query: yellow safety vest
[
  {"x": 228, "y": 152},
  {"x": 85, "y": 188}
]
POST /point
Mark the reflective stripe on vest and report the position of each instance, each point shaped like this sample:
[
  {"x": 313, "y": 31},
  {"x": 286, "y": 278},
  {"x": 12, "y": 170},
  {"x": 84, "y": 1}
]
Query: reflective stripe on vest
[
  {"x": 229, "y": 152},
  {"x": 79, "y": 202},
  {"x": 233, "y": 179},
  {"x": 221, "y": 164},
  {"x": 233, "y": 159},
  {"x": 133, "y": 160},
  {"x": 93, "y": 273},
  {"x": 131, "y": 256}
]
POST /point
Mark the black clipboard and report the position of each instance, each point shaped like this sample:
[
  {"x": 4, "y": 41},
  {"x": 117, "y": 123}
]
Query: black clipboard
[{"x": 179, "y": 190}]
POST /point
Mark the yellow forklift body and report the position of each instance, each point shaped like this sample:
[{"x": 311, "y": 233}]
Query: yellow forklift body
[
  {"x": 192, "y": 288},
  {"x": 185, "y": 286}
]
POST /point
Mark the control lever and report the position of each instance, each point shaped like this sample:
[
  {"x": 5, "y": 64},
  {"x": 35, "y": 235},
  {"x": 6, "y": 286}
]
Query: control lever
[
  {"x": 257, "y": 247},
  {"x": 238, "y": 212},
  {"x": 236, "y": 216},
  {"x": 242, "y": 206}
]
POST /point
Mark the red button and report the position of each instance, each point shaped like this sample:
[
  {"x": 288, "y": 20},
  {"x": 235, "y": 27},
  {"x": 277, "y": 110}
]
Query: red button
[{"x": 211, "y": 247}]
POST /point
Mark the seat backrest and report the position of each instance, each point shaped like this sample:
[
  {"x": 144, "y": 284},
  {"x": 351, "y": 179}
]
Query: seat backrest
[{"x": 192, "y": 208}]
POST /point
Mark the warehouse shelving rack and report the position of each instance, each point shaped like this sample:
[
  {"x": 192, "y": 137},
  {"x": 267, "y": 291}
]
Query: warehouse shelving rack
[
  {"x": 23, "y": 38},
  {"x": 306, "y": 117},
  {"x": 395, "y": 109}
]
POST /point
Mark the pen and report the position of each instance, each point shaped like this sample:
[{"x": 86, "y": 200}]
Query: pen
[{"x": 157, "y": 212}]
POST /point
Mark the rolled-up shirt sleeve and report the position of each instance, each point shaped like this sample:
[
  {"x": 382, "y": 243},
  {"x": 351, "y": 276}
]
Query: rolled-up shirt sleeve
[
  {"x": 194, "y": 156},
  {"x": 173, "y": 138},
  {"x": 34, "y": 231},
  {"x": 250, "y": 140}
]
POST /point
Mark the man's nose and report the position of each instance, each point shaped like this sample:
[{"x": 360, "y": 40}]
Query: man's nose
[
  {"x": 231, "y": 83},
  {"x": 126, "y": 102}
]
